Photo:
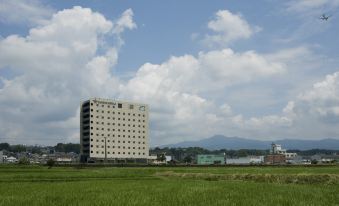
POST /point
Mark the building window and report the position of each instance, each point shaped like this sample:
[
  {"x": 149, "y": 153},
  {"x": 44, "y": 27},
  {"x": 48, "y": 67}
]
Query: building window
[
  {"x": 119, "y": 105},
  {"x": 131, "y": 106}
]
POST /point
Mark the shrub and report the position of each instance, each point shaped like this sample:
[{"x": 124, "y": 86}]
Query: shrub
[
  {"x": 50, "y": 163},
  {"x": 23, "y": 161}
]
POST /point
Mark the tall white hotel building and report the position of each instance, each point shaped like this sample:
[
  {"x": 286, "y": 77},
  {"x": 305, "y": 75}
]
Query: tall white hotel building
[{"x": 114, "y": 131}]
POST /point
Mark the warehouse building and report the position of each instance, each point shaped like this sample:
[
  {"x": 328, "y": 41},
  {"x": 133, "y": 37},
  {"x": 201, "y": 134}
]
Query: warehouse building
[
  {"x": 114, "y": 131},
  {"x": 210, "y": 159}
]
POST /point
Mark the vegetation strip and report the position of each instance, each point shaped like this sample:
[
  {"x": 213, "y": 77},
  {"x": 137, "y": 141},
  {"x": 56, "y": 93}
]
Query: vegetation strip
[{"x": 270, "y": 178}]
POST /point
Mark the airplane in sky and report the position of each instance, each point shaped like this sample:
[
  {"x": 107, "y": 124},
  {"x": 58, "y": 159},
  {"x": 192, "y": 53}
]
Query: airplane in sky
[{"x": 324, "y": 17}]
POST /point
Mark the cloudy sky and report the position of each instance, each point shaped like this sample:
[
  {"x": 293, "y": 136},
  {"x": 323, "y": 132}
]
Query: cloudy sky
[{"x": 257, "y": 69}]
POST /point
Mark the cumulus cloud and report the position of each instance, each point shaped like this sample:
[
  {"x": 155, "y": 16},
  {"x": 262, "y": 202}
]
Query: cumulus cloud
[
  {"x": 175, "y": 90},
  {"x": 322, "y": 101},
  {"x": 228, "y": 27},
  {"x": 312, "y": 114},
  {"x": 125, "y": 22},
  {"x": 24, "y": 11},
  {"x": 63, "y": 61},
  {"x": 58, "y": 65}
]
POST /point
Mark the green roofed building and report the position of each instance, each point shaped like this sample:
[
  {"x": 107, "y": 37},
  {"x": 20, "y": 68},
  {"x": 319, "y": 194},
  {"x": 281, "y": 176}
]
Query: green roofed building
[{"x": 210, "y": 159}]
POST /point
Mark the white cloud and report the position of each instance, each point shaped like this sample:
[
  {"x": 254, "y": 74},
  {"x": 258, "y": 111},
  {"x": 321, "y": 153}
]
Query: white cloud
[
  {"x": 175, "y": 90},
  {"x": 24, "y": 11},
  {"x": 313, "y": 114},
  {"x": 124, "y": 22},
  {"x": 228, "y": 27},
  {"x": 322, "y": 101},
  {"x": 58, "y": 66}
]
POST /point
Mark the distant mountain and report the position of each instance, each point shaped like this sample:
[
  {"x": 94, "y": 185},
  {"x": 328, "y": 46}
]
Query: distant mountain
[{"x": 223, "y": 142}]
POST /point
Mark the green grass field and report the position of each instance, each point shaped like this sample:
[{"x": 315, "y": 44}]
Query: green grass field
[{"x": 34, "y": 185}]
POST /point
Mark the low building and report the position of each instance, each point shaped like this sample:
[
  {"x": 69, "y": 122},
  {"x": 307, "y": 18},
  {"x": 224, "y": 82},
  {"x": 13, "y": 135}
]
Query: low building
[
  {"x": 210, "y": 159},
  {"x": 64, "y": 160},
  {"x": 154, "y": 159},
  {"x": 11, "y": 160},
  {"x": 325, "y": 159},
  {"x": 275, "y": 159},
  {"x": 300, "y": 160},
  {"x": 246, "y": 160},
  {"x": 276, "y": 149}
]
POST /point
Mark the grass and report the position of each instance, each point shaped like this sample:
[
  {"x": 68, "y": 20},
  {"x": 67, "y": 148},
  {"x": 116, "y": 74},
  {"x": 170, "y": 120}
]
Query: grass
[{"x": 35, "y": 185}]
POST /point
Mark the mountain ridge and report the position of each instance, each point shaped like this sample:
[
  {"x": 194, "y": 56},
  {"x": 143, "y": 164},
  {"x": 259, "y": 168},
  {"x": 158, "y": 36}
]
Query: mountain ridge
[{"x": 224, "y": 142}]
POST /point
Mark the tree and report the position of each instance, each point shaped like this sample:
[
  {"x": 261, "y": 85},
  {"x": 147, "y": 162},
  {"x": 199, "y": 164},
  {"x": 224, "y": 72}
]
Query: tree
[
  {"x": 314, "y": 162},
  {"x": 50, "y": 163},
  {"x": 4, "y": 146},
  {"x": 17, "y": 148},
  {"x": 69, "y": 147},
  {"x": 188, "y": 159},
  {"x": 23, "y": 161},
  {"x": 161, "y": 157}
]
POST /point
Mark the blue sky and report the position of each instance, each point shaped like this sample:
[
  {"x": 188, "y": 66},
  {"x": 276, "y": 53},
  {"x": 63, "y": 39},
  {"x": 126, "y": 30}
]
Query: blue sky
[{"x": 256, "y": 69}]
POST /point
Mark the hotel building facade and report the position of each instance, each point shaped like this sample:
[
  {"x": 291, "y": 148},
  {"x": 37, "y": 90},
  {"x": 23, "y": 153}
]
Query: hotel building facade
[{"x": 114, "y": 131}]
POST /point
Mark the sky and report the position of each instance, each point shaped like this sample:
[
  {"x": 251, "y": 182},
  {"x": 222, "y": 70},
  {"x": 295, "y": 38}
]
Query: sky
[{"x": 261, "y": 70}]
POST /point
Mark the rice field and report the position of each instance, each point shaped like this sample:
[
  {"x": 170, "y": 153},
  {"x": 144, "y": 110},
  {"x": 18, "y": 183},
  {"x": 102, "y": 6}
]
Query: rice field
[{"x": 37, "y": 185}]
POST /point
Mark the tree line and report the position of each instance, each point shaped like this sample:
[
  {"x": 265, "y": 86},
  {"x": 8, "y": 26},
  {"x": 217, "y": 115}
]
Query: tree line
[
  {"x": 60, "y": 147},
  {"x": 178, "y": 153}
]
